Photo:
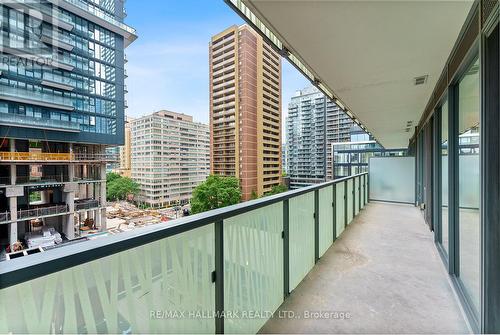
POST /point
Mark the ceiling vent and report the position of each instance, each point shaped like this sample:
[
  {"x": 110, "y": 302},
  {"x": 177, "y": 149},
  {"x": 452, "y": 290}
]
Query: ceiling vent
[{"x": 420, "y": 80}]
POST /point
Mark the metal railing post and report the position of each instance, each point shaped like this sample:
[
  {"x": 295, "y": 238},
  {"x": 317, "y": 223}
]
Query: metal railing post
[
  {"x": 334, "y": 219},
  {"x": 345, "y": 203},
  {"x": 316, "y": 226},
  {"x": 286, "y": 250},
  {"x": 219, "y": 277},
  {"x": 359, "y": 192},
  {"x": 354, "y": 187}
]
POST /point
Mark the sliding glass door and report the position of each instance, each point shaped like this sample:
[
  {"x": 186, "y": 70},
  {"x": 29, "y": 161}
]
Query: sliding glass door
[
  {"x": 468, "y": 220},
  {"x": 443, "y": 157}
]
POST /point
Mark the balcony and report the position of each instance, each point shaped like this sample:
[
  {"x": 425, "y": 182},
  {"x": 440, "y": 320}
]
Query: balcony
[
  {"x": 39, "y": 123},
  {"x": 35, "y": 98},
  {"x": 95, "y": 14},
  {"x": 52, "y": 16},
  {"x": 57, "y": 40},
  {"x": 58, "y": 81},
  {"x": 320, "y": 248},
  {"x": 361, "y": 274}
]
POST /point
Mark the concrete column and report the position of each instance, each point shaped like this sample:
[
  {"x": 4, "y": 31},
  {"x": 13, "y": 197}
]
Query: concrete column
[
  {"x": 69, "y": 223},
  {"x": 71, "y": 167},
  {"x": 13, "y": 170},
  {"x": 98, "y": 219},
  {"x": 102, "y": 192},
  {"x": 13, "y": 216},
  {"x": 102, "y": 215},
  {"x": 102, "y": 197},
  {"x": 13, "y": 200},
  {"x": 45, "y": 197}
]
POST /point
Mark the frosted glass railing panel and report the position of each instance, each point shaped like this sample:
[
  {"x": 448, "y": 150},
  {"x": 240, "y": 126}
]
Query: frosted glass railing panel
[
  {"x": 356, "y": 195},
  {"x": 392, "y": 179},
  {"x": 340, "y": 208},
  {"x": 367, "y": 187},
  {"x": 350, "y": 196},
  {"x": 325, "y": 219},
  {"x": 129, "y": 292},
  {"x": 253, "y": 266},
  {"x": 363, "y": 191},
  {"x": 301, "y": 240}
]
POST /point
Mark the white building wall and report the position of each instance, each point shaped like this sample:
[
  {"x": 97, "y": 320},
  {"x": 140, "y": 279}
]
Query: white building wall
[{"x": 170, "y": 157}]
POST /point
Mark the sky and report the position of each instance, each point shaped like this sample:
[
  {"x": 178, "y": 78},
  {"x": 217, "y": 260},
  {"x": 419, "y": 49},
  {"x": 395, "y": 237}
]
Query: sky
[{"x": 168, "y": 64}]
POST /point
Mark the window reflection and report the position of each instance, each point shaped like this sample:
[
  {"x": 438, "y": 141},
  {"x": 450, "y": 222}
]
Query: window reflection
[
  {"x": 469, "y": 183},
  {"x": 444, "y": 176}
]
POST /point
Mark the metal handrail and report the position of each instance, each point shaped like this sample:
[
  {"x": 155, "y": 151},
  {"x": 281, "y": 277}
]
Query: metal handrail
[
  {"x": 86, "y": 204},
  {"x": 5, "y": 216},
  {"x": 17, "y": 271},
  {"x": 41, "y": 179},
  {"x": 42, "y": 211},
  {"x": 38, "y": 156}
]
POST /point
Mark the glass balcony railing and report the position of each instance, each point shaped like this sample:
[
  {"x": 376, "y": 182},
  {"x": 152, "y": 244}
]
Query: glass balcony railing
[
  {"x": 88, "y": 7},
  {"x": 16, "y": 92},
  {"x": 66, "y": 60},
  {"x": 184, "y": 276},
  {"x": 49, "y": 76},
  {"x": 29, "y": 121},
  {"x": 57, "y": 37},
  {"x": 54, "y": 12}
]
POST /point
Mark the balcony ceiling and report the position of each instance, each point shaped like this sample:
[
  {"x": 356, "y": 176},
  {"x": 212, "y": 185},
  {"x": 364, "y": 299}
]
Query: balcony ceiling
[{"x": 369, "y": 52}]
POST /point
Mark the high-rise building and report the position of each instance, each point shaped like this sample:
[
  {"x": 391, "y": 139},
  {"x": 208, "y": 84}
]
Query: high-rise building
[
  {"x": 352, "y": 157},
  {"x": 61, "y": 104},
  {"x": 170, "y": 157},
  {"x": 314, "y": 122},
  {"x": 124, "y": 165},
  {"x": 245, "y": 110}
]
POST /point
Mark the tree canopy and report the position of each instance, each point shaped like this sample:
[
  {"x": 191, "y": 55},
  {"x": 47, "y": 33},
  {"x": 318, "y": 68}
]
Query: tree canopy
[
  {"x": 118, "y": 187},
  {"x": 215, "y": 192},
  {"x": 277, "y": 189},
  {"x": 111, "y": 176}
]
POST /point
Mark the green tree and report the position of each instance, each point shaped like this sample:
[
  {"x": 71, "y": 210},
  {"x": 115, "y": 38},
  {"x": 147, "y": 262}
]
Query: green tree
[
  {"x": 254, "y": 195},
  {"x": 215, "y": 192},
  {"x": 118, "y": 188},
  {"x": 111, "y": 176},
  {"x": 277, "y": 189}
]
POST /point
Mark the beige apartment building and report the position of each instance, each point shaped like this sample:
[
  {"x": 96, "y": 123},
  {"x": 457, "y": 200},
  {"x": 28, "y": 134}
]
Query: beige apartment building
[
  {"x": 245, "y": 110},
  {"x": 169, "y": 157}
]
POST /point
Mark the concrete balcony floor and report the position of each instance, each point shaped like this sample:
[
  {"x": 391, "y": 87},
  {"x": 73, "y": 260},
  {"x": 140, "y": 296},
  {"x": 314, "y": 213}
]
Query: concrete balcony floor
[{"x": 386, "y": 272}]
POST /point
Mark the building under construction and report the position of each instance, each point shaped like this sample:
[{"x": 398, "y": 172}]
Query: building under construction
[
  {"x": 51, "y": 184},
  {"x": 59, "y": 111}
]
